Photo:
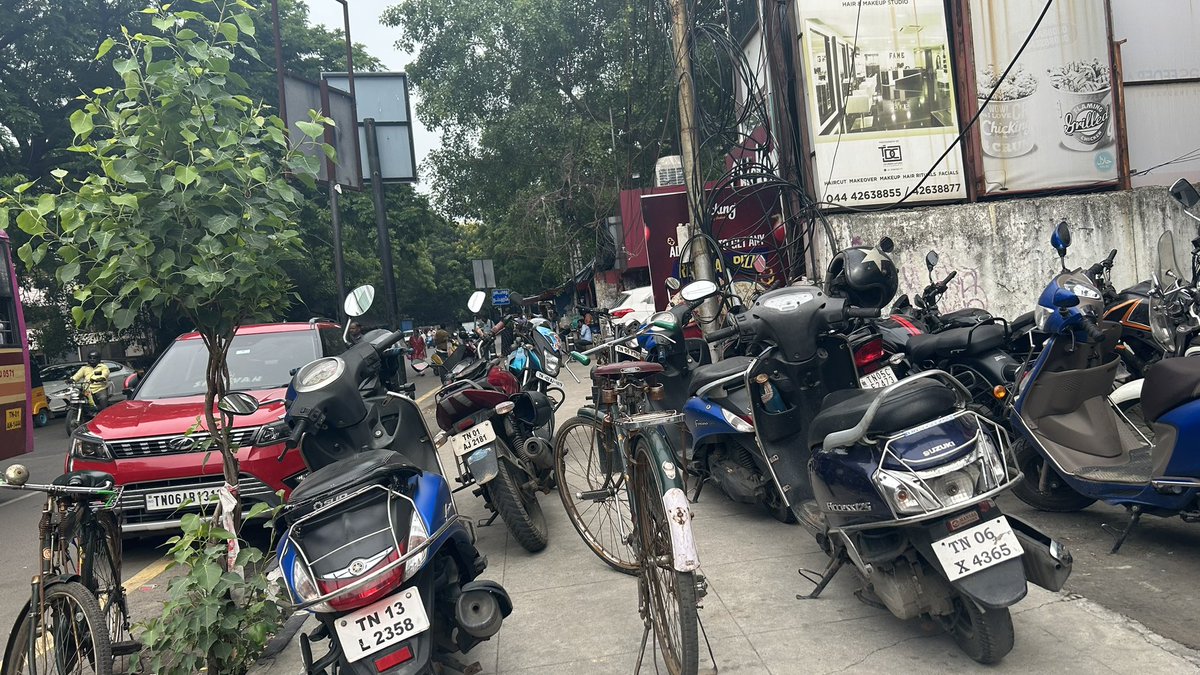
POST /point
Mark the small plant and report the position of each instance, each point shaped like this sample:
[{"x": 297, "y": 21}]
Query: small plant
[{"x": 214, "y": 619}]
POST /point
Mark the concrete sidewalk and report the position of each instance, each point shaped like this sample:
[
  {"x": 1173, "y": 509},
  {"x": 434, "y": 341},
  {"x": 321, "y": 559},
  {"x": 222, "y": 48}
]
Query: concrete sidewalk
[{"x": 572, "y": 614}]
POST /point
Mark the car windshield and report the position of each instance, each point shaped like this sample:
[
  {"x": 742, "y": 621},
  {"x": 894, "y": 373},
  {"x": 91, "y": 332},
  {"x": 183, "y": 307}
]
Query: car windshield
[
  {"x": 58, "y": 372},
  {"x": 262, "y": 361}
]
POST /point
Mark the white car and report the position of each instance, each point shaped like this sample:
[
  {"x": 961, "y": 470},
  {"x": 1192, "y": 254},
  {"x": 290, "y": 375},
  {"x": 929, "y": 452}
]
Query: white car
[
  {"x": 635, "y": 305},
  {"x": 56, "y": 377}
]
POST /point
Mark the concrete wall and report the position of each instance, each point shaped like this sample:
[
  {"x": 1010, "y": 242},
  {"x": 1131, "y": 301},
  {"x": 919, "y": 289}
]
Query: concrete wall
[{"x": 1002, "y": 250}]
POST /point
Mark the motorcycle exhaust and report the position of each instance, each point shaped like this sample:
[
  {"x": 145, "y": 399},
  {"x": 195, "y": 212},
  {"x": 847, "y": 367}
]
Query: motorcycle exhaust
[{"x": 536, "y": 448}]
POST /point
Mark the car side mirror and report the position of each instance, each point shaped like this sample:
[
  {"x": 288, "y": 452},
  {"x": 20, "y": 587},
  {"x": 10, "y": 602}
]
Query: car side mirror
[
  {"x": 1064, "y": 299},
  {"x": 238, "y": 403},
  {"x": 1185, "y": 193},
  {"x": 130, "y": 384}
]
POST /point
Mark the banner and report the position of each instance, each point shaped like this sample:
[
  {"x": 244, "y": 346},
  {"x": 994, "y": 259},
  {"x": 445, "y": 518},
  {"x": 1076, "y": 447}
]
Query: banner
[
  {"x": 881, "y": 100},
  {"x": 747, "y": 226},
  {"x": 1051, "y": 122}
]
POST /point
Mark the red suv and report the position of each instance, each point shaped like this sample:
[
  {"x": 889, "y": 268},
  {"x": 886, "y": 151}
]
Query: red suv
[{"x": 153, "y": 443}]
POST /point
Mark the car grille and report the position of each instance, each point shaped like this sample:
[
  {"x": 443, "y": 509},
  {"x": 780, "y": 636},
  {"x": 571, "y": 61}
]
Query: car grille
[
  {"x": 176, "y": 445},
  {"x": 133, "y": 498}
]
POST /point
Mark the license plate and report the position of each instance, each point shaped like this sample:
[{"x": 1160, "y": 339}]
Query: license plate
[
  {"x": 977, "y": 548},
  {"x": 376, "y": 627},
  {"x": 622, "y": 349},
  {"x": 475, "y": 437},
  {"x": 167, "y": 501},
  {"x": 554, "y": 382},
  {"x": 878, "y": 379}
]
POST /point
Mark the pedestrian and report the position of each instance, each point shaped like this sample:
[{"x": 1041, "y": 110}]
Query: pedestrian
[
  {"x": 355, "y": 333},
  {"x": 417, "y": 342}
]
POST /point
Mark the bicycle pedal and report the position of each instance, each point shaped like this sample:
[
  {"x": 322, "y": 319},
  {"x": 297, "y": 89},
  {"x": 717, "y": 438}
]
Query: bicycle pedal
[
  {"x": 701, "y": 586},
  {"x": 594, "y": 495}
]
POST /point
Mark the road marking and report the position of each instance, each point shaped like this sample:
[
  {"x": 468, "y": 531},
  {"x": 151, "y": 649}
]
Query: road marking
[
  {"x": 427, "y": 395},
  {"x": 21, "y": 498},
  {"x": 148, "y": 573}
]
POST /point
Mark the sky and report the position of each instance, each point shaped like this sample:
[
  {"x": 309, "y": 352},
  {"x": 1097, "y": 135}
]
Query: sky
[{"x": 380, "y": 42}]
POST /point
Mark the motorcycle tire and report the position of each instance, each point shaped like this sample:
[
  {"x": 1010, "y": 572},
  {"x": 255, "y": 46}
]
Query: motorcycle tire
[
  {"x": 521, "y": 512},
  {"x": 985, "y": 635},
  {"x": 73, "y": 420},
  {"x": 1060, "y": 498}
]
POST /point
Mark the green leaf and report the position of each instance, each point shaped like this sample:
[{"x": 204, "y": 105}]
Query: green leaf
[
  {"x": 311, "y": 129},
  {"x": 245, "y": 23},
  {"x": 77, "y": 315},
  {"x": 123, "y": 66},
  {"x": 167, "y": 182},
  {"x": 30, "y": 223},
  {"x": 104, "y": 48},
  {"x": 127, "y": 200},
  {"x": 20, "y": 189},
  {"x": 207, "y": 575},
  {"x": 45, "y": 204},
  {"x": 68, "y": 272},
  {"x": 186, "y": 34},
  {"x": 126, "y": 171},
  {"x": 230, "y": 32},
  {"x": 258, "y": 509},
  {"x": 186, "y": 175},
  {"x": 81, "y": 123},
  {"x": 259, "y": 174},
  {"x": 59, "y": 173}
]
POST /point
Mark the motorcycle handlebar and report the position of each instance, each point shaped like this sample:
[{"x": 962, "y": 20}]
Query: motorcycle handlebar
[
  {"x": 948, "y": 279},
  {"x": 862, "y": 312},
  {"x": 721, "y": 334},
  {"x": 389, "y": 341},
  {"x": 1093, "y": 331},
  {"x": 293, "y": 440},
  {"x": 1111, "y": 256}
]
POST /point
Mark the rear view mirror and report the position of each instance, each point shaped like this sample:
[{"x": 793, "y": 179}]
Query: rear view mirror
[
  {"x": 698, "y": 290},
  {"x": 1064, "y": 299},
  {"x": 238, "y": 403},
  {"x": 476, "y": 302},
  {"x": 1185, "y": 193},
  {"x": 887, "y": 245},
  {"x": 931, "y": 260},
  {"x": 359, "y": 301},
  {"x": 1061, "y": 239},
  {"x": 672, "y": 284}
]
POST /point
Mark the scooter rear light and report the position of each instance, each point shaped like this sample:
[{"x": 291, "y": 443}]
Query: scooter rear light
[
  {"x": 364, "y": 595},
  {"x": 394, "y": 659},
  {"x": 868, "y": 357},
  {"x": 465, "y": 423}
]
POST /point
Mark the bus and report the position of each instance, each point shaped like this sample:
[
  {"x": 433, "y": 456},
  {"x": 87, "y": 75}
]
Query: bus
[{"x": 16, "y": 436}]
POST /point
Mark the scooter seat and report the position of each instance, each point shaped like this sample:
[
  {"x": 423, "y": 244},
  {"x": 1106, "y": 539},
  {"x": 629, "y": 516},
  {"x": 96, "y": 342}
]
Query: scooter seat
[
  {"x": 351, "y": 472},
  {"x": 967, "y": 317},
  {"x": 919, "y": 402},
  {"x": 622, "y": 368},
  {"x": 705, "y": 375},
  {"x": 930, "y": 346},
  {"x": 1169, "y": 384}
]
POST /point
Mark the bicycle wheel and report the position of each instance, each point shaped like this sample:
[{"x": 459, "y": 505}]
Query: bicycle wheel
[
  {"x": 670, "y": 595},
  {"x": 66, "y": 638},
  {"x": 592, "y": 488},
  {"x": 101, "y": 573}
]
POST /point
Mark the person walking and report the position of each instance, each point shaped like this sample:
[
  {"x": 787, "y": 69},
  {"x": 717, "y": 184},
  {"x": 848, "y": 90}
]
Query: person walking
[{"x": 417, "y": 343}]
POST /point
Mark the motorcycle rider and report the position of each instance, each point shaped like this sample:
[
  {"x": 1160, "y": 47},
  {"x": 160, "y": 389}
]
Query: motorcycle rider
[{"x": 95, "y": 374}]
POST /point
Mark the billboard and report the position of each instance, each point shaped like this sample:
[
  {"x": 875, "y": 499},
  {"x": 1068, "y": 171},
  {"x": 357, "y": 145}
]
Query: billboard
[
  {"x": 383, "y": 97},
  {"x": 302, "y": 95},
  {"x": 745, "y": 225},
  {"x": 880, "y": 99},
  {"x": 1052, "y": 122}
]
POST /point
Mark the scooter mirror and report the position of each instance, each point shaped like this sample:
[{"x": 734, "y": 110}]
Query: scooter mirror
[
  {"x": 1064, "y": 299},
  {"x": 887, "y": 245},
  {"x": 476, "y": 302},
  {"x": 1061, "y": 239},
  {"x": 673, "y": 284},
  {"x": 931, "y": 260},
  {"x": 16, "y": 475},
  {"x": 359, "y": 301},
  {"x": 1185, "y": 193},
  {"x": 238, "y": 403},
  {"x": 698, "y": 290},
  {"x": 582, "y": 358}
]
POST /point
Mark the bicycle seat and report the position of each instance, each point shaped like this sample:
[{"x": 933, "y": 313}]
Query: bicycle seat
[
  {"x": 623, "y": 368},
  {"x": 844, "y": 409},
  {"x": 86, "y": 479}
]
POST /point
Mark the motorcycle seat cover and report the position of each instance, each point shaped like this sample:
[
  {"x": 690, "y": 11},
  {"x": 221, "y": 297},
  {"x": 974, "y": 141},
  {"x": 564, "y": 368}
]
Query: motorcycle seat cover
[
  {"x": 1169, "y": 384},
  {"x": 87, "y": 479},
  {"x": 707, "y": 374},
  {"x": 915, "y": 404},
  {"x": 620, "y": 369},
  {"x": 929, "y": 346},
  {"x": 350, "y": 472}
]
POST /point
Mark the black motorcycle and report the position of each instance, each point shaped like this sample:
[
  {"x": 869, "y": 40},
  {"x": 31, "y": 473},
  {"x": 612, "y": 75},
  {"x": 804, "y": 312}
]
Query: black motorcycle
[{"x": 373, "y": 543}]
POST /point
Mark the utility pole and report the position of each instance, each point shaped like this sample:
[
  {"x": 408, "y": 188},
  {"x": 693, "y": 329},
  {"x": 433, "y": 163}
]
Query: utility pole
[{"x": 702, "y": 264}]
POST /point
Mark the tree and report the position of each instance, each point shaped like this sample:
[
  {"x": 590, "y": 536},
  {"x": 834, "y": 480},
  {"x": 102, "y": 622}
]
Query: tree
[{"x": 187, "y": 210}]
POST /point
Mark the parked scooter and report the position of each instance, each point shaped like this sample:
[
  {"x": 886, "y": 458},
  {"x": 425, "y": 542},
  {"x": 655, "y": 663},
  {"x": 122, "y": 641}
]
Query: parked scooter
[
  {"x": 1076, "y": 446},
  {"x": 373, "y": 543}
]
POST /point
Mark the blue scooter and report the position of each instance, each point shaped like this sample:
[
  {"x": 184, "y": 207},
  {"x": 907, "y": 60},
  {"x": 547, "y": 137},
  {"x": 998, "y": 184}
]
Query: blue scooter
[{"x": 1076, "y": 447}]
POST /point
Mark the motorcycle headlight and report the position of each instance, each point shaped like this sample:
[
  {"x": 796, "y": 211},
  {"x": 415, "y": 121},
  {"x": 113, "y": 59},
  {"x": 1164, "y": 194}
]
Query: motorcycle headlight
[
  {"x": 1041, "y": 315},
  {"x": 89, "y": 448},
  {"x": 304, "y": 588},
  {"x": 272, "y": 434},
  {"x": 553, "y": 365},
  {"x": 61, "y": 393}
]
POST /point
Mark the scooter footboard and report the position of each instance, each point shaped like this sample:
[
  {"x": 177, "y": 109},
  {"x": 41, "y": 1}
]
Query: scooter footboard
[{"x": 1047, "y": 562}]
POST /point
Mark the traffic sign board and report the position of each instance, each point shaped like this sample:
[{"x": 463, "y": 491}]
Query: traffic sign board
[{"x": 500, "y": 297}]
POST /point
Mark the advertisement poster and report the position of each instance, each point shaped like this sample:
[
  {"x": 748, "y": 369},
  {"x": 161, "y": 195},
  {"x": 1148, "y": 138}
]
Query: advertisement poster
[
  {"x": 1051, "y": 123},
  {"x": 746, "y": 226},
  {"x": 881, "y": 100}
]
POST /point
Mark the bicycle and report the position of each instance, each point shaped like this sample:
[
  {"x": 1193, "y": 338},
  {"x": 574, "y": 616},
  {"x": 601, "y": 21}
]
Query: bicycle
[
  {"x": 78, "y": 593},
  {"x": 633, "y": 478}
]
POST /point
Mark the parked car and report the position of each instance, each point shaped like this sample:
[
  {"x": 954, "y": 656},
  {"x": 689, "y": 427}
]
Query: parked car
[
  {"x": 153, "y": 448},
  {"x": 55, "y": 379},
  {"x": 636, "y": 305}
]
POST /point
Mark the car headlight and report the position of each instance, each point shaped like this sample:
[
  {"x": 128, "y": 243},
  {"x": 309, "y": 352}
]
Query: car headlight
[
  {"x": 90, "y": 448},
  {"x": 304, "y": 588},
  {"x": 272, "y": 434}
]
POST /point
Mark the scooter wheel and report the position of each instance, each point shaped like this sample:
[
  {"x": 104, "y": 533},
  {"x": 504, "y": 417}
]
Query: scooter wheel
[{"x": 985, "y": 635}]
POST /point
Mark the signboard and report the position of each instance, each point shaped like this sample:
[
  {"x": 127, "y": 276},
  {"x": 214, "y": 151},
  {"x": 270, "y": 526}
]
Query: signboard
[
  {"x": 383, "y": 97},
  {"x": 302, "y": 95},
  {"x": 881, "y": 100},
  {"x": 745, "y": 226},
  {"x": 484, "y": 273},
  {"x": 1051, "y": 123},
  {"x": 500, "y": 297}
]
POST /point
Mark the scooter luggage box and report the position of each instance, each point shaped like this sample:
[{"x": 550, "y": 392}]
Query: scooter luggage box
[{"x": 1047, "y": 562}]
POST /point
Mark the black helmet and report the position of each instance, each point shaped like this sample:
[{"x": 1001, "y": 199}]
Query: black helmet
[
  {"x": 93, "y": 358},
  {"x": 864, "y": 275}
]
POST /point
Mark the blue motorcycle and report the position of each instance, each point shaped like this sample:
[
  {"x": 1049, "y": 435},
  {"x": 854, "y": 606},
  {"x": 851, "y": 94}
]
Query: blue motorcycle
[
  {"x": 372, "y": 541},
  {"x": 1077, "y": 447}
]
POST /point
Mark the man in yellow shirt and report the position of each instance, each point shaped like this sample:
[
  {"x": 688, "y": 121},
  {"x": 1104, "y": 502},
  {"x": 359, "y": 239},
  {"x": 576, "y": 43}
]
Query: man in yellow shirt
[{"x": 95, "y": 374}]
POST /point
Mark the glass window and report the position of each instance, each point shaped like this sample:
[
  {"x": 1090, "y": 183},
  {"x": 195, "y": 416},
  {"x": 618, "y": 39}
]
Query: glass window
[
  {"x": 256, "y": 362},
  {"x": 331, "y": 342},
  {"x": 59, "y": 372}
]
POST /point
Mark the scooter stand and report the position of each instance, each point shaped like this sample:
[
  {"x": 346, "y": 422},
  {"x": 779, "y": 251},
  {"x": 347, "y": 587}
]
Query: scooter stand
[
  {"x": 1121, "y": 535},
  {"x": 491, "y": 519},
  {"x": 444, "y": 664},
  {"x": 824, "y": 578}
]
